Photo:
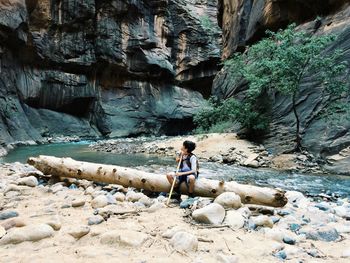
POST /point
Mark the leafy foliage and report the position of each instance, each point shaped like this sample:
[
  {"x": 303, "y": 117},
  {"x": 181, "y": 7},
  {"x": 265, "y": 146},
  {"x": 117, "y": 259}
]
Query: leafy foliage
[{"x": 279, "y": 63}]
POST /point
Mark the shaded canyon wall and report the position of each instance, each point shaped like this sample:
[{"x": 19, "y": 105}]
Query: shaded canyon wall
[
  {"x": 244, "y": 22},
  {"x": 104, "y": 68}
]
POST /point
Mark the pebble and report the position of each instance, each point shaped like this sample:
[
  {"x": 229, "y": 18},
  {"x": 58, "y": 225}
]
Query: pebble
[
  {"x": 56, "y": 188},
  {"x": 31, "y": 181},
  {"x": 55, "y": 222},
  {"x": 281, "y": 254},
  {"x": 261, "y": 220},
  {"x": 27, "y": 233},
  {"x": 12, "y": 222},
  {"x": 119, "y": 197},
  {"x": 326, "y": 233},
  {"x": 95, "y": 220},
  {"x": 156, "y": 206},
  {"x": 8, "y": 214},
  {"x": 78, "y": 202},
  {"x": 99, "y": 201},
  {"x": 289, "y": 240},
  {"x": 132, "y": 196},
  {"x": 79, "y": 231},
  {"x": 184, "y": 242},
  {"x": 172, "y": 231},
  {"x": 229, "y": 200},
  {"x": 126, "y": 238},
  {"x": 211, "y": 214}
]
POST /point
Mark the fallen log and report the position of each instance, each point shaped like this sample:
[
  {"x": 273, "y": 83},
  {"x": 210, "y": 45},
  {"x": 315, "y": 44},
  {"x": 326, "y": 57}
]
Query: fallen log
[{"x": 67, "y": 167}]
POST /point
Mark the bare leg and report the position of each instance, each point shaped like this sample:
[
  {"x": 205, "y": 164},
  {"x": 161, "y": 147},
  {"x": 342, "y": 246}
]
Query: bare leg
[
  {"x": 191, "y": 180},
  {"x": 170, "y": 177}
]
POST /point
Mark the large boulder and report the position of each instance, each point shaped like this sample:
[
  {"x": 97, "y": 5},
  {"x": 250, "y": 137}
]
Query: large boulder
[{"x": 210, "y": 214}]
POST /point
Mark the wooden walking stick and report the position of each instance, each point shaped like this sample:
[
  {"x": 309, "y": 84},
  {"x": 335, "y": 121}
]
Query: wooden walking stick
[{"x": 174, "y": 181}]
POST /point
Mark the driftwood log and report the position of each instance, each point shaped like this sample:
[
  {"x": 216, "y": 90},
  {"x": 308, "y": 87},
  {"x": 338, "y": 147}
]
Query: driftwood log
[{"x": 67, "y": 167}]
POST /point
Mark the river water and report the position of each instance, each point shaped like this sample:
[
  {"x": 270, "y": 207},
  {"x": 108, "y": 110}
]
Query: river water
[{"x": 306, "y": 183}]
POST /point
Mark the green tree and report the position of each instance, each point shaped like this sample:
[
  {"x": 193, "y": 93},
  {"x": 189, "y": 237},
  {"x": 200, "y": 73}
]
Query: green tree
[{"x": 280, "y": 62}]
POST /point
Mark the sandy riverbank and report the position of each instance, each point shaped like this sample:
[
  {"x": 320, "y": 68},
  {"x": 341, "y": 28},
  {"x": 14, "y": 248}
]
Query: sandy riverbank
[{"x": 150, "y": 231}]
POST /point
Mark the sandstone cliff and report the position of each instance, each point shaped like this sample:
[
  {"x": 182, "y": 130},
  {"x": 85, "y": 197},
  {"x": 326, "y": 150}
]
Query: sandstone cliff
[
  {"x": 92, "y": 68},
  {"x": 244, "y": 22}
]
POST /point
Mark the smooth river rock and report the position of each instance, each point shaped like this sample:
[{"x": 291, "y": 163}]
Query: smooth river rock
[
  {"x": 210, "y": 214},
  {"x": 183, "y": 241},
  {"x": 27, "y": 233},
  {"x": 229, "y": 200}
]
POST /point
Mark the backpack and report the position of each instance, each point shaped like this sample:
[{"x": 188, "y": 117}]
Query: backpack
[{"x": 188, "y": 162}]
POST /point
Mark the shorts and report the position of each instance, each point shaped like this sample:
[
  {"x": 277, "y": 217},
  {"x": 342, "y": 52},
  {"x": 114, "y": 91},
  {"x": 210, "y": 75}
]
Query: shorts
[{"x": 183, "y": 178}]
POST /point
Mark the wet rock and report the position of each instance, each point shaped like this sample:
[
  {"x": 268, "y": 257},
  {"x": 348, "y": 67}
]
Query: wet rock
[
  {"x": 294, "y": 227},
  {"x": 95, "y": 220},
  {"x": 229, "y": 200},
  {"x": 55, "y": 222},
  {"x": 211, "y": 214},
  {"x": 184, "y": 242},
  {"x": 327, "y": 234},
  {"x": 323, "y": 206},
  {"x": 281, "y": 255},
  {"x": 119, "y": 197},
  {"x": 78, "y": 202},
  {"x": 99, "y": 201},
  {"x": 28, "y": 181},
  {"x": 27, "y": 233},
  {"x": 123, "y": 238},
  {"x": 216, "y": 158},
  {"x": 289, "y": 240},
  {"x": 8, "y": 214},
  {"x": 234, "y": 219},
  {"x": 78, "y": 231}
]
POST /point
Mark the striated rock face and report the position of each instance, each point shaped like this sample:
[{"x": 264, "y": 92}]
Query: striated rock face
[
  {"x": 243, "y": 23},
  {"x": 92, "y": 68}
]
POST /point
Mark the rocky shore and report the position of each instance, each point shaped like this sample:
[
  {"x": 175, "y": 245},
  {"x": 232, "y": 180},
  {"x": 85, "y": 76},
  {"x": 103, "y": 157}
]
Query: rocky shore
[
  {"x": 77, "y": 220},
  {"x": 224, "y": 148}
]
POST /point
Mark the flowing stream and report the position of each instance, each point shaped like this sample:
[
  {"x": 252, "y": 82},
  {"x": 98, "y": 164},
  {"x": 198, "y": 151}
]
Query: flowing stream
[{"x": 306, "y": 183}]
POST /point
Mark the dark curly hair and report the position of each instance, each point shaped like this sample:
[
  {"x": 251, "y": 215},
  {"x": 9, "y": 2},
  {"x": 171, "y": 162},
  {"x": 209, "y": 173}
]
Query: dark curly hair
[{"x": 190, "y": 146}]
